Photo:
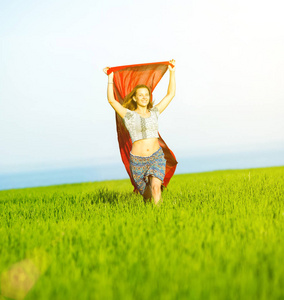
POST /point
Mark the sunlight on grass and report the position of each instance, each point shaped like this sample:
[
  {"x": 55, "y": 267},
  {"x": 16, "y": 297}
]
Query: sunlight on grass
[{"x": 217, "y": 235}]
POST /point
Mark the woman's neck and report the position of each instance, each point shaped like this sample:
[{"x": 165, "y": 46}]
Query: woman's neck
[{"x": 142, "y": 110}]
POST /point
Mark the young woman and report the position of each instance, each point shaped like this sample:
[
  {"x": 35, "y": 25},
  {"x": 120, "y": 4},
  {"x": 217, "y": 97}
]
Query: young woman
[{"x": 147, "y": 162}]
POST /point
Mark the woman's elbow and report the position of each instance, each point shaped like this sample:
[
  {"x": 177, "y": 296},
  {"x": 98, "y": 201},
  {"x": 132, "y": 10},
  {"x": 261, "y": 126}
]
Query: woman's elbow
[{"x": 110, "y": 101}]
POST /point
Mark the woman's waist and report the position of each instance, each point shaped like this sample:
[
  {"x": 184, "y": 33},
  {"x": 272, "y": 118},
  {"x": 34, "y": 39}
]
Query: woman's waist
[{"x": 145, "y": 147}]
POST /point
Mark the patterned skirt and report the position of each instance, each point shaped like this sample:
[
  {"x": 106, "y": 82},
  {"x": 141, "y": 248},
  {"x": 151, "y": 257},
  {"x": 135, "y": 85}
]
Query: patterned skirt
[{"x": 143, "y": 166}]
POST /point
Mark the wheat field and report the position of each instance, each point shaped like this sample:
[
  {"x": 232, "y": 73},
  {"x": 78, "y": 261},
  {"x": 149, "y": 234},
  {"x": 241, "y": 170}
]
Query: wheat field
[{"x": 217, "y": 235}]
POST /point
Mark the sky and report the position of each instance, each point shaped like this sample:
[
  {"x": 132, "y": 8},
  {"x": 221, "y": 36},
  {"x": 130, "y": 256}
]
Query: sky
[{"x": 53, "y": 105}]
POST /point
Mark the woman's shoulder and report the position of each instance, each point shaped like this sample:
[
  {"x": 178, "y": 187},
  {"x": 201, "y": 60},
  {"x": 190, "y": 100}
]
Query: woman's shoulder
[
  {"x": 129, "y": 114},
  {"x": 155, "y": 110}
]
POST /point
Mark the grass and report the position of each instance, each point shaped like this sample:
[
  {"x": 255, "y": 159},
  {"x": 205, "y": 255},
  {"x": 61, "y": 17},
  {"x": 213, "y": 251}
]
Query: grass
[{"x": 217, "y": 235}]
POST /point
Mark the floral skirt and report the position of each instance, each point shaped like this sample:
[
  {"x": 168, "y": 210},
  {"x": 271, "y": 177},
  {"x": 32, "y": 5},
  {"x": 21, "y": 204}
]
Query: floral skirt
[{"x": 143, "y": 166}]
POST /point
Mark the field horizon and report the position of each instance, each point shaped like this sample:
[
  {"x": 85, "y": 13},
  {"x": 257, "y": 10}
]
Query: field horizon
[{"x": 36, "y": 175}]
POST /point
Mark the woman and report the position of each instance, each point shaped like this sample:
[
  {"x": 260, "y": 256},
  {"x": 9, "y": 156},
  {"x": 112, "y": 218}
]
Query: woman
[{"x": 147, "y": 162}]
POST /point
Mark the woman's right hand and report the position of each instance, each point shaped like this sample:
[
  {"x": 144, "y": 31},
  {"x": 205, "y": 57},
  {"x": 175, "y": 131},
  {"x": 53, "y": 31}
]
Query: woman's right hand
[
  {"x": 110, "y": 76},
  {"x": 105, "y": 70}
]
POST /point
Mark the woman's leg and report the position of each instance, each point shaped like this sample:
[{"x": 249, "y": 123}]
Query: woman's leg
[
  {"x": 156, "y": 188},
  {"x": 147, "y": 193}
]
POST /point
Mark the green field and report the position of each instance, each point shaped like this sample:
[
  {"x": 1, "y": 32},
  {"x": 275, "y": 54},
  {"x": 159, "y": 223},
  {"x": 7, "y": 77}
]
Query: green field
[{"x": 217, "y": 235}]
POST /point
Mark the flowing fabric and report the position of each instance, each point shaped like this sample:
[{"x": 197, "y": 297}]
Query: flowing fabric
[{"x": 125, "y": 79}]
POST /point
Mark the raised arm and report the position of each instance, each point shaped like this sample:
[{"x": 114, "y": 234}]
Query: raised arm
[
  {"x": 171, "y": 89},
  {"x": 110, "y": 96}
]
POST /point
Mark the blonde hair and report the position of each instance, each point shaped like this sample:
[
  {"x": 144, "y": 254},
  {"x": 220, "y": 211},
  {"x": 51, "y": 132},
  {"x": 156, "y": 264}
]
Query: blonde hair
[{"x": 130, "y": 103}]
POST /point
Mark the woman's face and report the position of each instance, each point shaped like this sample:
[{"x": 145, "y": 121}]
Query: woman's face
[{"x": 142, "y": 97}]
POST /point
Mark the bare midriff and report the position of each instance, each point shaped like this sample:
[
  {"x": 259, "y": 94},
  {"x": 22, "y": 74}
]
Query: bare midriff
[{"x": 145, "y": 147}]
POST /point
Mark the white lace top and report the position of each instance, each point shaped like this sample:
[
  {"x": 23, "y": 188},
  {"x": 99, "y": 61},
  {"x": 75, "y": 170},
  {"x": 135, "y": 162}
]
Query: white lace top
[{"x": 142, "y": 128}]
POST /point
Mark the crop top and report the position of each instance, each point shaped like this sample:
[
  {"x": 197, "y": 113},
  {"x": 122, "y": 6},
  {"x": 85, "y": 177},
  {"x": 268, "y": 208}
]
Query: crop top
[{"x": 142, "y": 128}]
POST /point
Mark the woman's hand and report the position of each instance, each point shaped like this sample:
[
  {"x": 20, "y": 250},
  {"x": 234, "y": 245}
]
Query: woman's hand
[
  {"x": 110, "y": 76},
  {"x": 173, "y": 62},
  {"x": 105, "y": 70}
]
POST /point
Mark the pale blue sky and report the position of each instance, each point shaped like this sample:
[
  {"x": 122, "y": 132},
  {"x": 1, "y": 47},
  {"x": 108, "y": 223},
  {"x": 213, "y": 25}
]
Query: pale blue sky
[{"x": 53, "y": 106}]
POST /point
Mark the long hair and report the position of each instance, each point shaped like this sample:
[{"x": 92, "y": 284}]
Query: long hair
[{"x": 130, "y": 103}]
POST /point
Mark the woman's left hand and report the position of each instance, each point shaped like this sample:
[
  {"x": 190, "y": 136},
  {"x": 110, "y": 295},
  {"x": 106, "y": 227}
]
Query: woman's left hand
[{"x": 173, "y": 62}]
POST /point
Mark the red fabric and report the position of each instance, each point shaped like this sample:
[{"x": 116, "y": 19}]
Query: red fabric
[{"x": 125, "y": 79}]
